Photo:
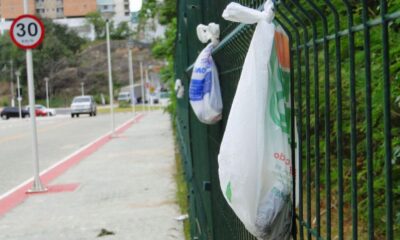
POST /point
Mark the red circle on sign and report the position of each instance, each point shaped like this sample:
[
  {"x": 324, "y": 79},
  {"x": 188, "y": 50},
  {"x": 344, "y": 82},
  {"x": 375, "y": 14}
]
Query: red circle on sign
[{"x": 37, "y": 20}]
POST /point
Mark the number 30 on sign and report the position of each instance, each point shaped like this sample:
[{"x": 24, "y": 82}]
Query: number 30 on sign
[{"x": 27, "y": 31}]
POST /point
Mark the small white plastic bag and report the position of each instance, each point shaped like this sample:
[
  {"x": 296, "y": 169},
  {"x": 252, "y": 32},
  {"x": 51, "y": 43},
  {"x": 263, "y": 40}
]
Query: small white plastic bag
[
  {"x": 179, "y": 89},
  {"x": 204, "y": 90},
  {"x": 255, "y": 166}
]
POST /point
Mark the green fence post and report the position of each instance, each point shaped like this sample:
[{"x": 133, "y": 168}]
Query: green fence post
[
  {"x": 387, "y": 122},
  {"x": 368, "y": 113}
]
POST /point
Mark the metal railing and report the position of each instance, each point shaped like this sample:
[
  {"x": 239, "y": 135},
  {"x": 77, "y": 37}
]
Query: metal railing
[{"x": 345, "y": 78}]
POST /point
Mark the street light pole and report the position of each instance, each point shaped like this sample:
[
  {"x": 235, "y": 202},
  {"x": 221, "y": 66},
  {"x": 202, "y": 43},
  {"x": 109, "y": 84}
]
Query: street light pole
[
  {"x": 2, "y": 20},
  {"x": 46, "y": 79},
  {"x": 110, "y": 84},
  {"x": 147, "y": 89},
  {"x": 83, "y": 88},
  {"x": 141, "y": 79},
  {"x": 18, "y": 74},
  {"x": 131, "y": 82},
  {"x": 12, "y": 83}
]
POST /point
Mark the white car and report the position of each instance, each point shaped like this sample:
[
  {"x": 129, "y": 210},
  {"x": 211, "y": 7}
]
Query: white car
[{"x": 83, "y": 105}]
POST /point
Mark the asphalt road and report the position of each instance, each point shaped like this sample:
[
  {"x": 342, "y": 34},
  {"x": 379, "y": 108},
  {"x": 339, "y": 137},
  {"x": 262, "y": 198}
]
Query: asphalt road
[{"x": 58, "y": 137}]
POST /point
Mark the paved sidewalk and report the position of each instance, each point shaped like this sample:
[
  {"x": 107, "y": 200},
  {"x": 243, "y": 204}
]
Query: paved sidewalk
[{"x": 126, "y": 187}]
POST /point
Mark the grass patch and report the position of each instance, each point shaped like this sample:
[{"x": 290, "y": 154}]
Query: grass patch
[
  {"x": 4, "y": 102},
  {"x": 181, "y": 193},
  {"x": 53, "y": 102},
  {"x": 138, "y": 108}
]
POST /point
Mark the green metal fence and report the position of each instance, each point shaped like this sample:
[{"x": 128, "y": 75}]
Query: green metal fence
[{"x": 345, "y": 78}]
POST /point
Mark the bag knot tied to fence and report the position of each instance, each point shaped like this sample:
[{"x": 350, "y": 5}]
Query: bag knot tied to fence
[
  {"x": 237, "y": 13},
  {"x": 255, "y": 165},
  {"x": 208, "y": 33}
]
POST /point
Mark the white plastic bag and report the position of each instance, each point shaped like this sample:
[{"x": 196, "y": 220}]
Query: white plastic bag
[
  {"x": 204, "y": 89},
  {"x": 255, "y": 166},
  {"x": 179, "y": 89}
]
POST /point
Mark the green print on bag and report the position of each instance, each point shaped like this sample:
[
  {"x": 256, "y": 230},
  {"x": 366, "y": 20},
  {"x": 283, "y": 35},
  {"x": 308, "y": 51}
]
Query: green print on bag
[
  {"x": 228, "y": 192},
  {"x": 279, "y": 102}
]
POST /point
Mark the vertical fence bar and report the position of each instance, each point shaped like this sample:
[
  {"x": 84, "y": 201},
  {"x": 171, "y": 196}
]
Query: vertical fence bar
[
  {"x": 295, "y": 145},
  {"x": 308, "y": 124},
  {"x": 339, "y": 124},
  {"x": 353, "y": 126},
  {"x": 299, "y": 115},
  {"x": 292, "y": 126},
  {"x": 316, "y": 119},
  {"x": 327, "y": 116},
  {"x": 293, "y": 142},
  {"x": 368, "y": 114},
  {"x": 387, "y": 126},
  {"x": 352, "y": 135}
]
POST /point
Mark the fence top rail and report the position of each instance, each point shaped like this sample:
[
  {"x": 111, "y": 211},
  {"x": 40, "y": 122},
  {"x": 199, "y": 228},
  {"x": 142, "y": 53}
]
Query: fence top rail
[
  {"x": 228, "y": 38},
  {"x": 241, "y": 27},
  {"x": 354, "y": 29}
]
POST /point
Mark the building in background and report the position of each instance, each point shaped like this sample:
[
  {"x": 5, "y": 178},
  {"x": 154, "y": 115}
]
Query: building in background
[
  {"x": 10, "y": 9},
  {"x": 72, "y": 13},
  {"x": 78, "y": 8},
  {"x": 55, "y": 9},
  {"x": 49, "y": 8},
  {"x": 67, "y": 12},
  {"x": 119, "y": 7},
  {"x": 105, "y": 6},
  {"x": 122, "y": 13}
]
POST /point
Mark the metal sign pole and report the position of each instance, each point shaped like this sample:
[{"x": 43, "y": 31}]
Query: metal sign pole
[{"x": 37, "y": 185}]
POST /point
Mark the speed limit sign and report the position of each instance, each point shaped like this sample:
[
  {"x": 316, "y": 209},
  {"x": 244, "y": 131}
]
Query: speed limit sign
[{"x": 27, "y": 31}]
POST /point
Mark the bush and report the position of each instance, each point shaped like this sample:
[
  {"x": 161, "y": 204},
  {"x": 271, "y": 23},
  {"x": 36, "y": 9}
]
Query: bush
[{"x": 124, "y": 104}]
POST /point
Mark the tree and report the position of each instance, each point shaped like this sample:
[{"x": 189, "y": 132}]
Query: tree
[
  {"x": 58, "y": 50},
  {"x": 95, "y": 19},
  {"x": 121, "y": 32},
  {"x": 163, "y": 48}
]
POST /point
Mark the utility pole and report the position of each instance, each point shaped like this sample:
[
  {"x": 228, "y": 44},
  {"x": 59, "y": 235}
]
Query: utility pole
[
  {"x": 141, "y": 79},
  {"x": 12, "y": 83},
  {"x": 131, "y": 81},
  {"x": 83, "y": 88},
  {"x": 18, "y": 74},
  {"x": 46, "y": 79},
  {"x": 110, "y": 83},
  {"x": 147, "y": 89}
]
